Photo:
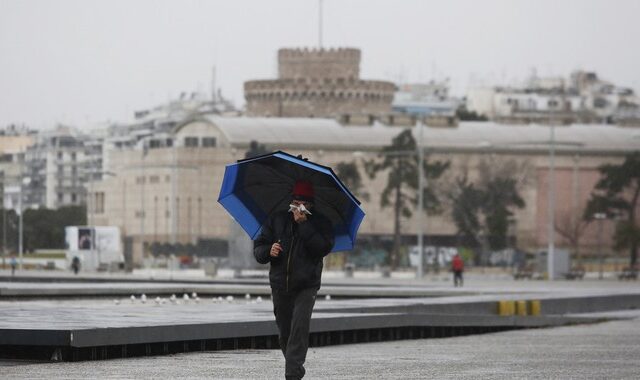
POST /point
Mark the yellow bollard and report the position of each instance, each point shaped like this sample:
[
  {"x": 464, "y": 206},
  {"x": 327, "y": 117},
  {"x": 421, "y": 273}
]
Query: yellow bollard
[
  {"x": 534, "y": 307},
  {"x": 521, "y": 308},
  {"x": 506, "y": 308}
]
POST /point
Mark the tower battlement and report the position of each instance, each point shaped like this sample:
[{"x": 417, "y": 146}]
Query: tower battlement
[
  {"x": 319, "y": 63},
  {"x": 318, "y": 83}
]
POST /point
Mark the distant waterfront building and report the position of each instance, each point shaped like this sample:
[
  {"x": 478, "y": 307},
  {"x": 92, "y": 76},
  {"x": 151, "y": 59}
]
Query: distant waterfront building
[
  {"x": 425, "y": 99},
  {"x": 429, "y": 102},
  {"x": 168, "y": 195},
  {"x": 318, "y": 83},
  {"x": 160, "y": 120},
  {"x": 14, "y": 141},
  {"x": 56, "y": 165},
  {"x": 583, "y": 98}
]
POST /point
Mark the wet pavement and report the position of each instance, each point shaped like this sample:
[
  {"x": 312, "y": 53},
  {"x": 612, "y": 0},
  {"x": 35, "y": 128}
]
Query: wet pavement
[
  {"x": 596, "y": 351},
  {"x": 604, "y": 350}
]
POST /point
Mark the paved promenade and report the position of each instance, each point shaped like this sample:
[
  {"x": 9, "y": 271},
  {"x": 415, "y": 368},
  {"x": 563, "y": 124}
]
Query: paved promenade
[
  {"x": 608, "y": 350},
  {"x": 588, "y": 350}
]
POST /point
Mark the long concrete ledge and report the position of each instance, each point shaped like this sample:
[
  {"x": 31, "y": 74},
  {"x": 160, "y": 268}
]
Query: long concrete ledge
[
  {"x": 96, "y": 344},
  {"x": 73, "y": 330},
  {"x": 83, "y": 338}
]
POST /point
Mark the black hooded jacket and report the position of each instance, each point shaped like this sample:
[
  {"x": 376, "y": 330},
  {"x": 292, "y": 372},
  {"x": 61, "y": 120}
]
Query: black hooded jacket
[{"x": 299, "y": 265}]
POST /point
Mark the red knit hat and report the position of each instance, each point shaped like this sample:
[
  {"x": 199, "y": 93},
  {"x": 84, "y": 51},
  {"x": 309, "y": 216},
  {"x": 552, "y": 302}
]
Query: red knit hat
[{"x": 303, "y": 191}]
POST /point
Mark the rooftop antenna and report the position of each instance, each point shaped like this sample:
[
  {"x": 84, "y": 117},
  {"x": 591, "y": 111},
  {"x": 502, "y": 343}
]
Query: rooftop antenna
[
  {"x": 320, "y": 23},
  {"x": 213, "y": 84}
]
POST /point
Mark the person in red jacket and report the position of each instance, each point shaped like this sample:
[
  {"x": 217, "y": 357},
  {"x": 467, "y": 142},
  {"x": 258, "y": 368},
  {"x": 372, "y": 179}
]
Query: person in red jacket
[{"x": 457, "y": 266}]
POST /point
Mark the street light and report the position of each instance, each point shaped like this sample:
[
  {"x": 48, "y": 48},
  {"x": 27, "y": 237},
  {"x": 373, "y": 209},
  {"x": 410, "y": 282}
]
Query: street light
[
  {"x": 24, "y": 182},
  {"x": 14, "y": 189},
  {"x": 551, "y": 203},
  {"x": 421, "y": 179},
  {"x": 600, "y": 217}
]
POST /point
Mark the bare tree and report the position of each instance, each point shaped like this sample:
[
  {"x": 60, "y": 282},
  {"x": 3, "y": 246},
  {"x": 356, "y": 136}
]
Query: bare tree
[{"x": 572, "y": 229}]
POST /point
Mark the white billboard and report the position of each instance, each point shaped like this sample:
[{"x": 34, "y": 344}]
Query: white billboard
[{"x": 95, "y": 246}]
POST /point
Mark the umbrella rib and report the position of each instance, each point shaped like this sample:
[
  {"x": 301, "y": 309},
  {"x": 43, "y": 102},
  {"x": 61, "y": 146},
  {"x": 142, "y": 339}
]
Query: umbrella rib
[
  {"x": 274, "y": 184},
  {"x": 277, "y": 203},
  {"x": 273, "y": 179},
  {"x": 315, "y": 173},
  {"x": 332, "y": 207},
  {"x": 275, "y": 172}
]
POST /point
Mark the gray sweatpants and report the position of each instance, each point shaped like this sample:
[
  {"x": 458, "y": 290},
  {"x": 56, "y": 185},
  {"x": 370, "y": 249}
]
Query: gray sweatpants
[{"x": 293, "y": 317}]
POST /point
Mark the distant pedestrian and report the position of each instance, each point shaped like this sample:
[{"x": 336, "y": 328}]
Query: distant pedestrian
[
  {"x": 75, "y": 264},
  {"x": 294, "y": 243},
  {"x": 14, "y": 264},
  {"x": 457, "y": 266}
]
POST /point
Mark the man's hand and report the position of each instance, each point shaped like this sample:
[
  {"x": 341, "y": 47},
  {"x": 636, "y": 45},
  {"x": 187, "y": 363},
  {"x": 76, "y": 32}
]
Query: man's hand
[
  {"x": 276, "y": 248},
  {"x": 299, "y": 216}
]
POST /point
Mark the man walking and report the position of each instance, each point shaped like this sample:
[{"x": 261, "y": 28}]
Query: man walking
[{"x": 294, "y": 243}]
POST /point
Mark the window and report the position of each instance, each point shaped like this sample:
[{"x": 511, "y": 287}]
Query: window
[
  {"x": 73, "y": 156},
  {"x": 153, "y": 144},
  {"x": 59, "y": 155},
  {"x": 74, "y": 198},
  {"x": 209, "y": 142},
  {"x": 140, "y": 180},
  {"x": 169, "y": 142},
  {"x": 60, "y": 197},
  {"x": 191, "y": 142},
  {"x": 600, "y": 103},
  {"x": 154, "y": 179}
]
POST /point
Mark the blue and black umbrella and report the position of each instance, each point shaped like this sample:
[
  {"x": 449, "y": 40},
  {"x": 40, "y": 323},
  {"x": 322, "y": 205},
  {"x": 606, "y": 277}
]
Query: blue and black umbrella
[{"x": 255, "y": 188}]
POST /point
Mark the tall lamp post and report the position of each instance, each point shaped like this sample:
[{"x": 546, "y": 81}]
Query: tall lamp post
[
  {"x": 143, "y": 179},
  {"x": 23, "y": 182},
  {"x": 420, "y": 202},
  {"x": 551, "y": 204},
  {"x": 4, "y": 221},
  {"x": 600, "y": 217}
]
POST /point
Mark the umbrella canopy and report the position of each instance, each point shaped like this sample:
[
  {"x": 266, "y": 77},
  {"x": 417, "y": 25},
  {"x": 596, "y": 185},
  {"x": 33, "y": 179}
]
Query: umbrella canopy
[{"x": 255, "y": 188}]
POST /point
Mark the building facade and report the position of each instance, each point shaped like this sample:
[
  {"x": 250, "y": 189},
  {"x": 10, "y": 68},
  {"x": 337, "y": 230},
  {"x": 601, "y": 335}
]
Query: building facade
[
  {"x": 425, "y": 99},
  {"x": 13, "y": 145},
  {"x": 168, "y": 192},
  {"x": 582, "y": 98},
  {"x": 56, "y": 166}
]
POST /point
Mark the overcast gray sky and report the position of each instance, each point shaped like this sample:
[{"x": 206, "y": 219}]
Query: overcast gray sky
[{"x": 83, "y": 62}]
